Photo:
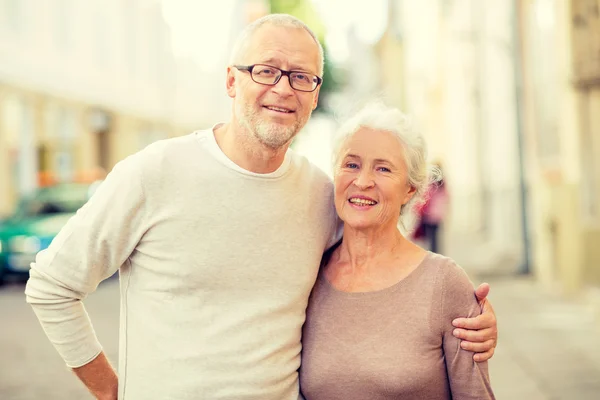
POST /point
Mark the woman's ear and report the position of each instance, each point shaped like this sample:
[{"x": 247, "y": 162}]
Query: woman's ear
[{"x": 409, "y": 195}]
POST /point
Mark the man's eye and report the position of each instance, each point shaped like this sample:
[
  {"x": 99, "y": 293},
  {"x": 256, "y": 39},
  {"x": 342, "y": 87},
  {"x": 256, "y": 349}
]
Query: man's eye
[
  {"x": 266, "y": 71},
  {"x": 301, "y": 77}
]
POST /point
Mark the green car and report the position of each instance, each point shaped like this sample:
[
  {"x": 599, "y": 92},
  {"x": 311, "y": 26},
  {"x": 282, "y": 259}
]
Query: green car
[{"x": 37, "y": 220}]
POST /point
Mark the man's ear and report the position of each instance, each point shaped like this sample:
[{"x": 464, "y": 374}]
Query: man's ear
[{"x": 230, "y": 81}]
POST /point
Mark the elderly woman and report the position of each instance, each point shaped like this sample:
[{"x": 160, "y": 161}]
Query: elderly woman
[{"x": 379, "y": 320}]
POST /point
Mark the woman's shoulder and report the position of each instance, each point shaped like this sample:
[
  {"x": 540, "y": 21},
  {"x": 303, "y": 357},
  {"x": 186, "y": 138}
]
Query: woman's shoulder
[
  {"x": 444, "y": 265},
  {"x": 452, "y": 280}
]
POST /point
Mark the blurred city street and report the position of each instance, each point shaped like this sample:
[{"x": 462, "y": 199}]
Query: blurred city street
[
  {"x": 549, "y": 348},
  {"x": 30, "y": 367}
]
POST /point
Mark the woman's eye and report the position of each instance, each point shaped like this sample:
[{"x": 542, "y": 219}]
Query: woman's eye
[
  {"x": 384, "y": 169},
  {"x": 351, "y": 165}
]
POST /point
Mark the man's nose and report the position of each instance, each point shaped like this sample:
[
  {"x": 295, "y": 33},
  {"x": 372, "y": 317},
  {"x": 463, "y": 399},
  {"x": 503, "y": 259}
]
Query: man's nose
[{"x": 284, "y": 86}]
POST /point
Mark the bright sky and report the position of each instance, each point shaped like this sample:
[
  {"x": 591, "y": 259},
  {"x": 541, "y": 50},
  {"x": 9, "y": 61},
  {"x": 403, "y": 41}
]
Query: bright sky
[
  {"x": 368, "y": 18},
  {"x": 201, "y": 30}
]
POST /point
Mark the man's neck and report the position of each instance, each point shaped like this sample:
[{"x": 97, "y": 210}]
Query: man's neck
[{"x": 246, "y": 151}]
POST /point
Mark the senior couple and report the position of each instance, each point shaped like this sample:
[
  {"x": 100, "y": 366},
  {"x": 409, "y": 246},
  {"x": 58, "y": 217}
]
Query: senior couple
[{"x": 236, "y": 280}]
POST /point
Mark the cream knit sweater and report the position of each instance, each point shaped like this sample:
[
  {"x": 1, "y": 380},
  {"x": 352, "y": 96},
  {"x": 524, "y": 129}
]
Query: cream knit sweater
[{"x": 216, "y": 267}]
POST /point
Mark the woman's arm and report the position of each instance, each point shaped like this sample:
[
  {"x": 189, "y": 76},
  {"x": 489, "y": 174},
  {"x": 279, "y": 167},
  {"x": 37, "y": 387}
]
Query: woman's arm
[
  {"x": 468, "y": 379},
  {"x": 479, "y": 334}
]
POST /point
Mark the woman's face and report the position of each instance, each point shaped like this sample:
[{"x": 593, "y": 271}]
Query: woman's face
[{"x": 371, "y": 182}]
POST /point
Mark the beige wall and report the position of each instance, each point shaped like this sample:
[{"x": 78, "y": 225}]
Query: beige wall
[
  {"x": 391, "y": 62},
  {"x": 92, "y": 53},
  {"x": 457, "y": 82},
  {"x": 113, "y": 55},
  {"x": 127, "y": 134},
  {"x": 564, "y": 178},
  {"x": 591, "y": 183},
  {"x": 13, "y": 103},
  {"x": 6, "y": 185},
  {"x": 550, "y": 119}
]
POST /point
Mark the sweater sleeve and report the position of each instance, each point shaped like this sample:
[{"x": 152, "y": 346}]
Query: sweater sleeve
[
  {"x": 91, "y": 247},
  {"x": 468, "y": 379}
]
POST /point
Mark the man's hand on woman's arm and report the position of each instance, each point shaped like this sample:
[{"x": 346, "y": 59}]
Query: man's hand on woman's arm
[{"x": 479, "y": 334}]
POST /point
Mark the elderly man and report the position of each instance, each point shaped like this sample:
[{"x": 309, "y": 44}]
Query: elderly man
[{"x": 217, "y": 236}]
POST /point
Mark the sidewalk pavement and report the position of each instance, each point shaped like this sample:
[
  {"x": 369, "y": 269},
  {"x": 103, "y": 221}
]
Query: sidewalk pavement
[{"x": 548, "y": 346}]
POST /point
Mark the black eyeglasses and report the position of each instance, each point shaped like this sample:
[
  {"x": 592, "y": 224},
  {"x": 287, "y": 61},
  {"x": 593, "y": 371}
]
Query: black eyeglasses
[{"x": 269, "y": 75}]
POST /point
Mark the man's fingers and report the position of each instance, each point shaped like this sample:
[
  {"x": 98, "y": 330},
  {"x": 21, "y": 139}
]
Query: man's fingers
[
  {"x": 478, "y": 347},
  {"x": 480, "y": 357},
  {"x": 485, "y": 320},
  {"x": 482, "y": 292},
  {"x": 479, "y": 336},
  {"x": 482, "y": 321}
]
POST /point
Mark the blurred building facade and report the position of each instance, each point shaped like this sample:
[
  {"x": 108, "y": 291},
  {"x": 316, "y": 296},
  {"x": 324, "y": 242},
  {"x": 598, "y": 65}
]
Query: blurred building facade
[
  {"x": 84, "y": 84},
  {"x": 449, "y": 64},
  {"x": 561, "y": 103},
  {"x": 508, "y": 96}
]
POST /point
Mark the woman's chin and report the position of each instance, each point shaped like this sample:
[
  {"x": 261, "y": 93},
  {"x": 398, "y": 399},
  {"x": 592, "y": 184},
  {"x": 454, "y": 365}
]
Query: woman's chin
[{"x": 359, "y": 224}]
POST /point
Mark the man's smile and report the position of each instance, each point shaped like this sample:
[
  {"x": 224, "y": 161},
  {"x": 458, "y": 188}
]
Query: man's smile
[{"x": 282, "y": 110}]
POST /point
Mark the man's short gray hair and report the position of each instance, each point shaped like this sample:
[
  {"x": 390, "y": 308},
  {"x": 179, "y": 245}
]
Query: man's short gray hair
[
  {"x": 279, "y": 20},
  {"x": 377, "y": 116}
]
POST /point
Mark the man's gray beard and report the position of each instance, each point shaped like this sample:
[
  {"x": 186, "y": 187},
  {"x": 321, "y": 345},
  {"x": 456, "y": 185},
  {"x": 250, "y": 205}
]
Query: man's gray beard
[
  {"x": 273, "y": 136},
  {"x": 270, "y": 134}
]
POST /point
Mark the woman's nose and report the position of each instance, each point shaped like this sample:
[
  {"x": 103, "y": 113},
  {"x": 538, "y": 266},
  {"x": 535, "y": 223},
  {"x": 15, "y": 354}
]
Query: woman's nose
[{"x": 364, "y": 180}]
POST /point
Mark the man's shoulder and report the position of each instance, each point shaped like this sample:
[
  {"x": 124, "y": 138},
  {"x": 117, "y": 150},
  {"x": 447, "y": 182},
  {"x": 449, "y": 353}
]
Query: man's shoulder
[
  {"x": 167, "y": 156},
  {"x": 173, "y": 144},
  {"x": 317, "y": 175},
  {"x": 174, "y": 150}
]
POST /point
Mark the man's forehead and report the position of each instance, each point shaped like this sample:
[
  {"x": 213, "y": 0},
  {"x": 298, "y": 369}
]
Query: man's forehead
[
  {"x": 276, "y": 44},
  {"x": 280, "y": 31},
  {"x": 286, "y": 60}
]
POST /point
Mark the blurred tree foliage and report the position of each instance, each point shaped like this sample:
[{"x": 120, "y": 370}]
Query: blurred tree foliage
[{"x": 305, "y": 11}]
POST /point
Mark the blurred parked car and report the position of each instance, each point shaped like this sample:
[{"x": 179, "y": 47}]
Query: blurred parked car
[{"x": 36, "y": 221}]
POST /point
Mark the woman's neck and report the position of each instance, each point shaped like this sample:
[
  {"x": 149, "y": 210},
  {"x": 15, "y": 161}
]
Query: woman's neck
[
  {"x": 362, "y": 250},
  {"x": 369, "y": 261}
]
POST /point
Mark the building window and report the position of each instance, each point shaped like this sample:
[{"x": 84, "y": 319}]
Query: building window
[
  {"x": 130, "y": 21},
  {"x": 585, "y": 20},
  {"x": 13, "y": 14},
  {"x": 101, "y": 37},
  {"x": 544, "y": 75},
  {"x": 590, "y": 149},
  {"x": 18, "y": 114},
  {"x": 62, "y": 24}
]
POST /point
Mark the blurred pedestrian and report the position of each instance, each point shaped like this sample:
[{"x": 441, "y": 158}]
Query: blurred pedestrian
[
  {"x": 217, "y": 236},
  {"x": 378, "y": 322},
  {"x": 432, "y": 212}
]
